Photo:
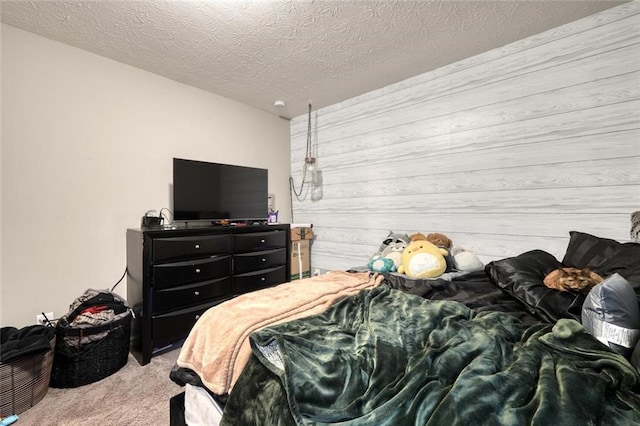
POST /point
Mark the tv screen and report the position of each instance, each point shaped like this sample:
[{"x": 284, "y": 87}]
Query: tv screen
[{"x": 212, "y": 191}]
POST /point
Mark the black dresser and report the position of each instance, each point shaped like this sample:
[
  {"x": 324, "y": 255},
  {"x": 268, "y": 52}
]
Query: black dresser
[{"x": 174, "y": 275}]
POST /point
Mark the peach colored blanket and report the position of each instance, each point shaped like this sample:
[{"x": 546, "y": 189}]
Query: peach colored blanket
[{"x": 218, "y": 348}]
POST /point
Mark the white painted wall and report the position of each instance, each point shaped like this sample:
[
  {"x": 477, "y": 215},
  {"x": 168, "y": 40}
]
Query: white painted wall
[
  {"x": 503, "y": 152},
  {"x": 87, "y": 149}
]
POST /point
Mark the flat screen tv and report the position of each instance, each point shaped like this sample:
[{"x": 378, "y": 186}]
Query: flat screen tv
[{"x": 214, "y": 192}]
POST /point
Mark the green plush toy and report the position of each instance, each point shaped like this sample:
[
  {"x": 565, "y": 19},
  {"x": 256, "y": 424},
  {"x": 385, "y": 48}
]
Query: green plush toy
[
  {"x": 381, "y": 264},
  {"x": 421, "y": 259}
]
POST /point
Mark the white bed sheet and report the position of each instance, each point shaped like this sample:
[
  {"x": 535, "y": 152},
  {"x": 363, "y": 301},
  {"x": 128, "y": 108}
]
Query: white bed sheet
[{"x": 200, "y": 409}]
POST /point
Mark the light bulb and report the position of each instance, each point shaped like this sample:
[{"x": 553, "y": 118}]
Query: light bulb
[{"x": 309, "y": 169}]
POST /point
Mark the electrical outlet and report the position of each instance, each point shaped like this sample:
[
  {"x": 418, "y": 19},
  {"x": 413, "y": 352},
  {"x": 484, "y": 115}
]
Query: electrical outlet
[{"x": 40, "y": 319}]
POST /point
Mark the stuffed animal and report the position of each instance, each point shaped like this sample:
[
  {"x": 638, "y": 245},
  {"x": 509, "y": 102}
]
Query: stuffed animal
[
  {"x": 392, "y": 238},
  {"x": 418, "y": 236},
  {"x": 381, "y": 264},
  {"x": 465, "y": 260},
  {"x": 439, "y": 240},
  {"x": 421, "y": 259},
  {"x": 394, "y": 252},
  {"x": 635, "y": 227}
]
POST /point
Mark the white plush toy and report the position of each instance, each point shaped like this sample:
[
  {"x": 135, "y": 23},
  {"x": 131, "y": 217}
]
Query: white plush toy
[{"x": 465, "y": 260}]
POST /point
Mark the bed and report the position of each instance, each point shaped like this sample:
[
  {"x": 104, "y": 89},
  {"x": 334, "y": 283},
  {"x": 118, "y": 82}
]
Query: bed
[{"x": 491, "y": 347}]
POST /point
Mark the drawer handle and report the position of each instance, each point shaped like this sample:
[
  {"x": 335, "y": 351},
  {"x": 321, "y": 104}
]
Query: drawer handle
[
  {"x": 197, "y": 293},
  {"x": 197, "y": 316},
  {"x": 263, "y": 241},
  {"x": 264, "y": 260},
  {"x": 263, "y": 279},
  {"x": 197, "y": 270},
  {"x": 197, "y": 246}
]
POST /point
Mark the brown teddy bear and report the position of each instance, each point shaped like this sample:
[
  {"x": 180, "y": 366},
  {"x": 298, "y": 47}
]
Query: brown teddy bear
[
  {"x": 418, "y": 236},
  {"x": 435, "y": 238},
  {"x": 439, "y": 240}
]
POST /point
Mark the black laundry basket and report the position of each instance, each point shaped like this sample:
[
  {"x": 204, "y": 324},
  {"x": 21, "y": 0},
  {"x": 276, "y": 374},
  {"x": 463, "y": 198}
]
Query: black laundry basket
[{"x": 79, "y": 361}]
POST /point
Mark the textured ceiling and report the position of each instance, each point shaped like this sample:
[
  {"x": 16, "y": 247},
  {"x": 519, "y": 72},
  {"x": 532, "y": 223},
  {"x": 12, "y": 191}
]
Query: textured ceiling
[{"x": 296, "y": 51}]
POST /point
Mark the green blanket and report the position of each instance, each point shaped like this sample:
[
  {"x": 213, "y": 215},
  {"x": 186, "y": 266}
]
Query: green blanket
[{"x": 384, "y": 357}]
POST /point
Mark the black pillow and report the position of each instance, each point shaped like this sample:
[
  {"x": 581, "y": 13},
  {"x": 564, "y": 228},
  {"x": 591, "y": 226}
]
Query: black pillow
[
  {"x": 604, "y": 256},
  {"x": 611, "y": 314},
  {"x": 522, "y": 277}
]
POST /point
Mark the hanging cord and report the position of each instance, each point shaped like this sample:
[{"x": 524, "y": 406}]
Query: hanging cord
[
  {"x": 291, "y": 201},
  {"x": 304, "y": 169},
  {"x": 308, "y": 135},
  {"x": 293, "y": 187},
  {"x": 121, "y": 278}
]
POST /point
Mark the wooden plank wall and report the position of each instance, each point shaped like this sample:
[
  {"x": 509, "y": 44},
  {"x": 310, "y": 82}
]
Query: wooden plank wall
[{"x": 504, "y": 152}]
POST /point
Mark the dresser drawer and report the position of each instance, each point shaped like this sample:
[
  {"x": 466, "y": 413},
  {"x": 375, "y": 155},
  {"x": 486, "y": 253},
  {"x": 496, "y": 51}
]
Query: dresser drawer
[
  {"x": 259, "y": 279},
  {"x": 172, "y": 326},
  {"x": 258, "y": 241},
  {"x": 255, "y": 261},
  {"x": 165, "y": 249},
  {"x": 191, "y": 294},
  {"x": 174, "y": 274}
]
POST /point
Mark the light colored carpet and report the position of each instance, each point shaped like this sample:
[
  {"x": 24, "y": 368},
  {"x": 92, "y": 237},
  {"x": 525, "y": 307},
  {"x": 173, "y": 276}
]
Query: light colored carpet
[{"x": 134, "y": 395}]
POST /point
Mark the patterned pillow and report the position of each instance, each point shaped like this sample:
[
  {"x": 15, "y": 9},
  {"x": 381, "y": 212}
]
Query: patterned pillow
[
  {"x": 604, "y": 256},
  {"x": 611, "y": 314}
]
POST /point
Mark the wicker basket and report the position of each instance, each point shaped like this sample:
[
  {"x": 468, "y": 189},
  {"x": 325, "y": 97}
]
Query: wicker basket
[
  {"x": 25, "y": 381},
  {"x": 77, "y": 364}
]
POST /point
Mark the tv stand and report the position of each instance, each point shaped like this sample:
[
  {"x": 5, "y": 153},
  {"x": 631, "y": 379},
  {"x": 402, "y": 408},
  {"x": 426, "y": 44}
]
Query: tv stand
[{"x": 175, "y": 275}]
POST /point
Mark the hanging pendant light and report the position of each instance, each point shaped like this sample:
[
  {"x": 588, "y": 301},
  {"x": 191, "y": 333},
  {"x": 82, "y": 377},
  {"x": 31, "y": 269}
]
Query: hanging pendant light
[
  {"x": 309, "y": 169},
  {"x": 309, "y": 160},
  {"x": 310, "y": 173}
]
